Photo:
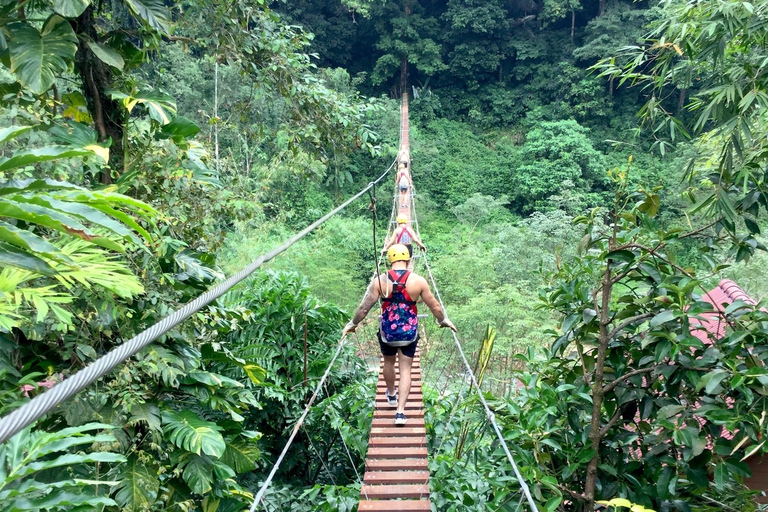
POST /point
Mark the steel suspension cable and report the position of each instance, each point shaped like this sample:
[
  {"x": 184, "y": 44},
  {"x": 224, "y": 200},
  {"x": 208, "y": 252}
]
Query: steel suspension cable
[
  {"x": 349, "y": 454},
  {"x": 43, "y": 403},
  {"x": 489, "y": 413}
]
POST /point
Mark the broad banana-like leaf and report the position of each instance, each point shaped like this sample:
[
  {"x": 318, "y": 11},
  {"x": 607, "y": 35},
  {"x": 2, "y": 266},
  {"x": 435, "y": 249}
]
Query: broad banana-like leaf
[
  {"x": 29, "y": 185},
  {"x": 19, "y": 207},
  {"x": 25, "y": 239},
  {"x": 12, "y": 256},
  {"x": 37, "y": 155},
  {"x": 138, "y": 487},
  {"x": 70, "y": 8},
  {"x": 61, "y": 501},
  {"x": 10, "y": 132},
  {"x": 186, "y": 430},
  {"x": 37, "y": 57}
]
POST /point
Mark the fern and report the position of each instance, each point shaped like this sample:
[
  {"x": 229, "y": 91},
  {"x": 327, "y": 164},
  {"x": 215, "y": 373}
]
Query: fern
[
  {"x": 24, "y": 291},
  {"x": 29, "y": 453}
]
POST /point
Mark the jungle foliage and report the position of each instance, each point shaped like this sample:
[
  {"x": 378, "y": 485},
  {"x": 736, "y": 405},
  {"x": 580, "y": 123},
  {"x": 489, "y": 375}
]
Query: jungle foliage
[{"x": 150, "y": 148}]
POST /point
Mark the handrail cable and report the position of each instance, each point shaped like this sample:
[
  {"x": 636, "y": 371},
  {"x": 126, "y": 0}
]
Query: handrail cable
[
  {"x": 28, "y": 413},
  {"x": 349, "y": 454},
  {"x": 319, "y": 456},
  {"x": 296, "y": 427},
  {"x": 489, "y": 413}
]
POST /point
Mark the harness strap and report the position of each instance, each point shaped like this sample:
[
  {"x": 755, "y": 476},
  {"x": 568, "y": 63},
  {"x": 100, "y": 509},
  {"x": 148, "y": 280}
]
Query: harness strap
[
  {"x": 398, "y": 280},
  {"x": 402, "y": 232}
]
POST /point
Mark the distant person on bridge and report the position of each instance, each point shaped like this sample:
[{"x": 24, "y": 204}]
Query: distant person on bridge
[
  {"x": 399, "y": 290},
  {"x": 403, "y": 235},
  {"x": 403, "y": 183}
]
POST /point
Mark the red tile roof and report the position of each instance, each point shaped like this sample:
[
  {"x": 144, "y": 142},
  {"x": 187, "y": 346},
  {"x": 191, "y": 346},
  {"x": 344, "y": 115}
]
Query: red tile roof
[{"x": 711, "y": 326}]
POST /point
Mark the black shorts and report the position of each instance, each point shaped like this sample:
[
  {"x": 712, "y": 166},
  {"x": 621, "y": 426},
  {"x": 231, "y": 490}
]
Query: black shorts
[
  {"x": 410, "y": 250},
  {"x": 388, "y": 350}
]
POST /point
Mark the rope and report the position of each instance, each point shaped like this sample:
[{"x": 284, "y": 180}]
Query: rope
[
  {"x": 320, "y": 457},
  {"x": 489, "y": 413},
  {"x": 266, "y": 483},
  {"x": 43, "y": 403}
]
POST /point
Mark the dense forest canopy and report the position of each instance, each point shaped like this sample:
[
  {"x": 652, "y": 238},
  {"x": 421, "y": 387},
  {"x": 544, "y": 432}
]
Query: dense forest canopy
[{"x": 585, "y": 172}]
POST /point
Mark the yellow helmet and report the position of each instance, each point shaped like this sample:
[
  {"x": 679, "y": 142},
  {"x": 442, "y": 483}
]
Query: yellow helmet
[
  {"x": 401, "y": 219},
  {"x": 398, "y": 252}
]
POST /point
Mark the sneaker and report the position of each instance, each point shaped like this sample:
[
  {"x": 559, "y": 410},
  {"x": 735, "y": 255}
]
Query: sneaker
[
  {"x": 392, "y": 399},
  {"x": 400, "y": 419}
]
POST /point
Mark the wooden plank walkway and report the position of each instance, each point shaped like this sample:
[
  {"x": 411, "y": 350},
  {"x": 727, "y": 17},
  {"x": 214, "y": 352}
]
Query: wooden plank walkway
[{"x": 396, "y": 473}]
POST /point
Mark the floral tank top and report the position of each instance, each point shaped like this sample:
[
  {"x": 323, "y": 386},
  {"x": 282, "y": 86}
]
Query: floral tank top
[{"x": 399, "y": 323}]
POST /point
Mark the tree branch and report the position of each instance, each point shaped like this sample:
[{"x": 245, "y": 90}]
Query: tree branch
[
  {"x": 611, "y": 422},
  {"x": 610, "y": 387},
  {"x": 626, "y": 322}
]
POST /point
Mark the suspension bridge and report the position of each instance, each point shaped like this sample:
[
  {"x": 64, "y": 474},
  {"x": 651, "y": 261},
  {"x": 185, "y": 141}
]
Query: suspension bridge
[{"x": 396, "y": 476}]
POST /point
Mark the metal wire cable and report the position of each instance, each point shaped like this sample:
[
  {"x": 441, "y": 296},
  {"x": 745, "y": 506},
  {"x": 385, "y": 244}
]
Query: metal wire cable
[
  {"x": 43, "y": 403},
  {"x": 322, "y": 462},
  {"x": 296, "y": 427},
  {"x": 351, "y": 461},
  {"x": 489, "y": 413}
]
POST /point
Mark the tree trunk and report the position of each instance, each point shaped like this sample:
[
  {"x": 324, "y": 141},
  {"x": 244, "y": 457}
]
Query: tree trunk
[
  {"x": 107, "y": 113},
  {"x": 681, "y": 101},
  {"x": 610, "y": 87},
  {"x": 601, "y": 8},
  {"x": 597, "y": 390},
  {"x": 573, "y": 24}
]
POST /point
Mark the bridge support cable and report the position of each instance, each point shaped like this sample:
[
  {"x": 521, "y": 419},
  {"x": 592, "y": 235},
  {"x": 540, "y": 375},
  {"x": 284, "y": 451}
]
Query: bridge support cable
[
  {"x": 45, "y": 402},
  {"x": 298, "y": 425},
  {"x": 489, "y": 413}
]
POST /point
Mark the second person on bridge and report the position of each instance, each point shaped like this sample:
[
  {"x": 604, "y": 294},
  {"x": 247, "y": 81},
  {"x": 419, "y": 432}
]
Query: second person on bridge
[
  {"x": 399, "y": 290},
  {"x": 403, "y": 235}
]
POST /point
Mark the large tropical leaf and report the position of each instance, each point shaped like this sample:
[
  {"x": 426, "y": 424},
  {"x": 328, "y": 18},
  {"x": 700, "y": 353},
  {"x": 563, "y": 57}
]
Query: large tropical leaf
[
  {"x": 70, "y": 8},
  {"x": 161, "y": 107},
  {"x": 138, "y": 487},
  {"x": 10, "y": 132},
  {"x": 14, "y": 257},
  {"x": 241, "y": 455},
  {"x": 188, "y": 431},
  {"x": 151, "y": 12},
  {"x": 25, "y": 239},
  {"x": 37, "y": 57},
  {"x": 107, "y": 55},
  {"x": 198, "y": 474},
  {"x": 37, "y": 155}
]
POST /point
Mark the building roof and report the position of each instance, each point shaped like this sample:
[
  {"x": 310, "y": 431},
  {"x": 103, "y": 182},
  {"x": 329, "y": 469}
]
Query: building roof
[{"x": 711, "y": 326}]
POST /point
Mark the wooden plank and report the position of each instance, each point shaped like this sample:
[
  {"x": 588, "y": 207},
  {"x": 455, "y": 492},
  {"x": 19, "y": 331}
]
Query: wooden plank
[
  {"x": 395, "y": 464},
  {"x": 396, "y": 477},
  {"x": 409, "y": 406},
  {"x": 411, "y": 396},
  {"x": 390, "y": 413},
  {"x": 395, "y": 491},
  {"x": 394, "y": 505},
  {"x": 396, "y": 453},
  {"x": 412, "y": 422},
  {"x": 392, "y": 430},
  {"x": 396, "y": 442}
]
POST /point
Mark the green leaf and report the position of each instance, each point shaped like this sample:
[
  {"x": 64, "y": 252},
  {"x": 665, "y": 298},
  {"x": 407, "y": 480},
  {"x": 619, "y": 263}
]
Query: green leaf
[
  {"x": 186, "y": 430},
  {"x": 720, "y": 476},
  {"x": 138, "y": 487},
  {"x": 70, "y": 8},
  {"x": 179, "y": 127},
  {"x": 15, "y": 257},
  {"x": 198, "y": 474},
  {"x": 69, "y": 459},
  {"x": 107, "y": 55},
  {"x": 25, "y": 239},
  {"x": 10, "y": 132},
  {"x": 152, "y": 12},
  {"x": 241, "y": 456},
  {"x": 37, "y": 155},
  {"x": 52, "y": 219},
  {"x": 36, "y": 58},
  {"x": 664, "y": 316}
]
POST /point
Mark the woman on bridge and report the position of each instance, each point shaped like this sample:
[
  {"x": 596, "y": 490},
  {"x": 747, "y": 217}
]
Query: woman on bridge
[
  {"x": 403, "y": 235},
  {"x": 399, "y": 290}
]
